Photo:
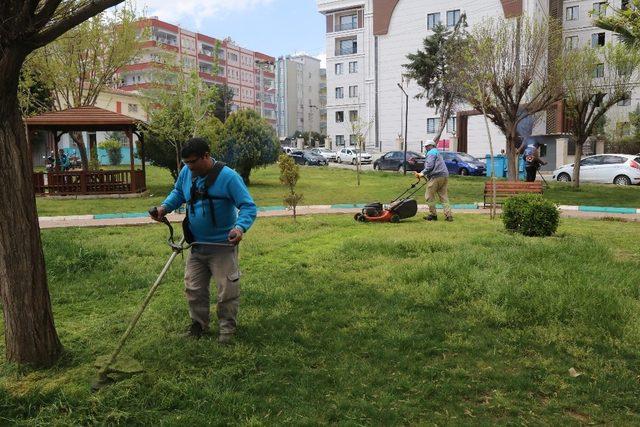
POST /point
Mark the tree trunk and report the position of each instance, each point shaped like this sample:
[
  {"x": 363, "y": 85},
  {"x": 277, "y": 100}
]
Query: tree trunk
[
  {"x": 79, "y": 141},
  {"x": 29, "y": 331},
  {"x": 576, "y": 164},
  {"x": 512, "y": 159}
]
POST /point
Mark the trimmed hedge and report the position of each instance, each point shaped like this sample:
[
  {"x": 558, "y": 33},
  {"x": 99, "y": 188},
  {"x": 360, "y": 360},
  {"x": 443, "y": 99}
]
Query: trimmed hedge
[{"x": 531, "y": 215}]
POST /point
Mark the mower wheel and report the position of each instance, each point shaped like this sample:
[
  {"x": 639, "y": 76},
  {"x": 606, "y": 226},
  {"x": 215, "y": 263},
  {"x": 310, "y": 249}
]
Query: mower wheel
[
  {"x": 360, "y": 217},
  {"x": 395, "y": 218}
]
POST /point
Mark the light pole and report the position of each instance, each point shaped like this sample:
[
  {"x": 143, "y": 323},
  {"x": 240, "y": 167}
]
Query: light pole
[
  {"x": 261, "y": 64},
  {"x": 406, "y": 116}
]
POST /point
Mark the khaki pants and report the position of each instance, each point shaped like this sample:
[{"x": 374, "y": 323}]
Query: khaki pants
[
  {"x": 222, "y": 264},
  {"x": 438, "y": 186}
]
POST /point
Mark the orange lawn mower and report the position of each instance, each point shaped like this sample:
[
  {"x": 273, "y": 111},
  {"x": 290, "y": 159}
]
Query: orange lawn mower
[{"x": 402, "y": 207}]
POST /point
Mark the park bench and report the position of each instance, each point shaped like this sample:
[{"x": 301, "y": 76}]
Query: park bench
[{"x": 506, "y": 189}]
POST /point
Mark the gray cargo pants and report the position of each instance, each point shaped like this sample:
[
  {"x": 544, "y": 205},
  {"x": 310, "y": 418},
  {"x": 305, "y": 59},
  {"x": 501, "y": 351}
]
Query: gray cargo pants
[{"x": 221, "y": 263}]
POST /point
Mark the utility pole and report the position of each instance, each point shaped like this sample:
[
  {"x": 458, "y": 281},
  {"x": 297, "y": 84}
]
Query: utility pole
[{"x": 406, "y": 128}]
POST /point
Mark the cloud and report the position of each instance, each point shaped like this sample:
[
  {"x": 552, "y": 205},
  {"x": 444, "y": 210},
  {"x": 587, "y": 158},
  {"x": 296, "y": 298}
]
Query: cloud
[
  {"x": 186, "y": 11},
  {"x": 323, "y": 60}
]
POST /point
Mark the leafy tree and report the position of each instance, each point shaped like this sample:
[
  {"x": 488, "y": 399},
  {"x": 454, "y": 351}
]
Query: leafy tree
[
  {"x": 113, "y": 147},
  {"x": 223, "y": 105},
  {"x": 507, "y": 70},
  {"x": 594, "y": 81},
  {"x": 433, "y": 68},
  {"x": 248, "y": 141},
  {"x": 77, "y": 67},
  {"x": 289, "y": 175},
  {"x": 34, "y": 93},
  {"x": 29, "y": 331},
  {"x": 624, "y": 21}
]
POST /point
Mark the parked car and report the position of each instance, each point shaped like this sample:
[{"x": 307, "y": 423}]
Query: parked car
[
  {"x": 620, "y": 169},
  {"x": 351, "y": 155},
  {"x": 326, "y": 153},
  {"x": 306, "y": 157},
  {"x": 393, "y": 161},
  {"x": 463, "y": 164},
  {"x": 288, "y": 150}
]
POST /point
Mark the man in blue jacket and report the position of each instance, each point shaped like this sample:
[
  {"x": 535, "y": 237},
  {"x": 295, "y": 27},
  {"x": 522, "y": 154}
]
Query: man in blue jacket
[
  {"x": 221, "y": 213},
  {"x": 435, "y": 169}
]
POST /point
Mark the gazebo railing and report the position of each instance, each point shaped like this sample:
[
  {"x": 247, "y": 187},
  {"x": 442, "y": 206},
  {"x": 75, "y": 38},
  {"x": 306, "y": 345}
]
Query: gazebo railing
[{"x": 92, "y": 182}]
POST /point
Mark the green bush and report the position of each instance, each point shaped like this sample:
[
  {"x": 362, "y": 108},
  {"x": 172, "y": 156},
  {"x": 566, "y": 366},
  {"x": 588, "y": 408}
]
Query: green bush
[
  {"x": 113, "y": 148},
  {"x": 531, "y": 215}
]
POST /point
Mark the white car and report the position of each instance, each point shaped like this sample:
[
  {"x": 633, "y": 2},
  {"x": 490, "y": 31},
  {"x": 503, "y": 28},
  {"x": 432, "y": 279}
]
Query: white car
[
  {"x": 351, "y": 155},
  {"x": 619, "y": 169},
  {"x": 326, "y": 153}
]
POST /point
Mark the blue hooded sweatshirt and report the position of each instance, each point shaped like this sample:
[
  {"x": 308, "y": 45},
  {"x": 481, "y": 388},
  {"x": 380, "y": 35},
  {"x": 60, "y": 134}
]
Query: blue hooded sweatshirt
[{"x": 233, "y": 205}]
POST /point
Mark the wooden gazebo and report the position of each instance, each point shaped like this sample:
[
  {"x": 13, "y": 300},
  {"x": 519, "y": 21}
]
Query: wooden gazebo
[{"x": 90, "y": 119}]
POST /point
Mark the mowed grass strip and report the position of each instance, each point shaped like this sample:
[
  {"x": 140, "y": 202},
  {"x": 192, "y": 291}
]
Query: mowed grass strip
[
  {"x": 342, "y": 322},
  {"x": 321, "y": 186}
]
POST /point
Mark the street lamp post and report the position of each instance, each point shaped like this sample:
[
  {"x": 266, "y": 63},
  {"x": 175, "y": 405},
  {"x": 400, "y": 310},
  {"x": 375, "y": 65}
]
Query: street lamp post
[{"x": 406, "y": 127}]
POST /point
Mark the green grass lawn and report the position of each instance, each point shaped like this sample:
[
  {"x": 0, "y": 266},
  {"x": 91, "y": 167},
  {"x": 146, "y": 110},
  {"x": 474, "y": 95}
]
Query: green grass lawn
[
  {"x": 334, "y": 186},
  {"x": 447, "y": 323}
]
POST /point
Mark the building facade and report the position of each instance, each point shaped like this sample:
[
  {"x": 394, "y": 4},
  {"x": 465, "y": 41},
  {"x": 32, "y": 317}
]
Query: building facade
[
  {"x": 367, "y": 43},
  {"x": 250, "y": 74},
  {"x": 298, "y": 82}
]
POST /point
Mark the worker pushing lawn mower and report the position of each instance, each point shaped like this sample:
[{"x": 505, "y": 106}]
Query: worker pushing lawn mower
[{"x": 436, "y": 177}]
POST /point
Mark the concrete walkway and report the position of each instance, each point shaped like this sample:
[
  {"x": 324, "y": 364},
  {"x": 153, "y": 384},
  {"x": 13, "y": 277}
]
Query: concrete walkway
[{"x": 109, "y": 220}]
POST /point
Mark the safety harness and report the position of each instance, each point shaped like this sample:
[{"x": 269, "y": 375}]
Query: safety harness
[{"x": 201, "y": 194}]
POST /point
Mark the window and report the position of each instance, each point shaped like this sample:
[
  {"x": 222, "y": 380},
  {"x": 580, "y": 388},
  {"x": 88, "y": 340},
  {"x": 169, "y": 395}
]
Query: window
[
  {"x": 347, "y": 46},
  {"x": 433, "y": 19},
  {"x": 600, "y": 8},
  {"x": 340, "y": 140},
  {"x": 451, "y": 125},
  {"x": 592, "y": 161},
  {"x": 348, "y": 22},
  {"x": 597, "y": 40},
  {"x": 353, "y": 115},
  {"x": 353, "y": 140},
  {"x": 599, "y": 71},
  {"x": 339, "y": 93},
  {"x": 132, "y": 108},
  {"x": 353, "y": 67},
  {"x": 453, "y": 16},
  {"x": 232, "y": 56},
  {"x": 571, "y": 42},
  {"x": 626, "y": 101},
  {"x": 338, "y": 69},
  {"x": 432, "y": 125},
  {"x": 353, "y": 91},
  {"x": 572, "y": 13},
  {"x": 616, "y": 160},
  {"x": 339, "y": 116}
]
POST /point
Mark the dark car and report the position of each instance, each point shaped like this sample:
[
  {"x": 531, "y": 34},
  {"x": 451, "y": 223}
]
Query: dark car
[
  {"x": 308, "y": 158},
  {"x": 463, "y": 164},
  {"x": 393, "y": 161}
]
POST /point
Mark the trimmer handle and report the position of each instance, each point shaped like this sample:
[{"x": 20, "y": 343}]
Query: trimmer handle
[{"x": 174, "y": 246}]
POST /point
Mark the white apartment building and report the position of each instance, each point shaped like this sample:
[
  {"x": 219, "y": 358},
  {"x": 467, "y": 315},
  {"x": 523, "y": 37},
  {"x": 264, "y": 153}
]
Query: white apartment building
[
  {"x": 378, "y": 34},
  {"x": 299, "y": 85},
  {"x": 579, "y": 31}
]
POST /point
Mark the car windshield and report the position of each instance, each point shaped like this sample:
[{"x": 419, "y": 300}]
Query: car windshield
[
  {"x": 357, "y": 151},
  {"x": 467, "y": 157}
]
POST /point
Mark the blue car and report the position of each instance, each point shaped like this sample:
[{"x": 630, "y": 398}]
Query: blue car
[{"x": 463, "y": 164}]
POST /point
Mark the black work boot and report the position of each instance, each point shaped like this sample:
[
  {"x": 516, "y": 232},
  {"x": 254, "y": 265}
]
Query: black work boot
[
  {"x": 431, "y": 217},
  {"x": 195, "y": 331}
]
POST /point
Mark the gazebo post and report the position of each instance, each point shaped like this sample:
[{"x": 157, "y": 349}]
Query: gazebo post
[{"x": 133, "y": 172}]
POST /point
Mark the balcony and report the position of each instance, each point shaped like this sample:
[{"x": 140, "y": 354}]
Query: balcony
[
  {"x": 346, "y": 26},
  {"x": 340, "y": 51}
]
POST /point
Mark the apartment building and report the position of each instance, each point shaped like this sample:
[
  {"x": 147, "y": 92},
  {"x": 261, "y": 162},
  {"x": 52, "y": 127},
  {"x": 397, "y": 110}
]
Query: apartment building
[
  {"x": 579, "y": 31},
  {"x": 298, "y": 90},
  {"x": 250, "y": 74},
  {"x": 367, "y": 42},
  {"x": 323, "y": 101}
]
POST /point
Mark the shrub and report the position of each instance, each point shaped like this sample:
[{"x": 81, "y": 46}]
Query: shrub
[
  {"x": 531, "y": 215},
  {"x": 289, "y": 175},
  {"x": 113, "y": 148}
]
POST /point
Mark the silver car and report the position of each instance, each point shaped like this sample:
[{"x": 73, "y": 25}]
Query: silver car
[
  {"x": 619, "y": 169},
  {"x": 326, "y": 153}
]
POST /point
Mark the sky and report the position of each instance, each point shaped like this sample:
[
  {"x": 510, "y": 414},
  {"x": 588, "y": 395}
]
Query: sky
[{"x": 274, "y": 27}]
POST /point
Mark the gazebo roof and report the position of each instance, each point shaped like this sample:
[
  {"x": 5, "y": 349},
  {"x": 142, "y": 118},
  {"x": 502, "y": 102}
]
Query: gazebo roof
[{"x": 82, "y": 119}]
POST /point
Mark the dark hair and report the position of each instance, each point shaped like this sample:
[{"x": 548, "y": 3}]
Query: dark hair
[{"x": 195, "y": 146}]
